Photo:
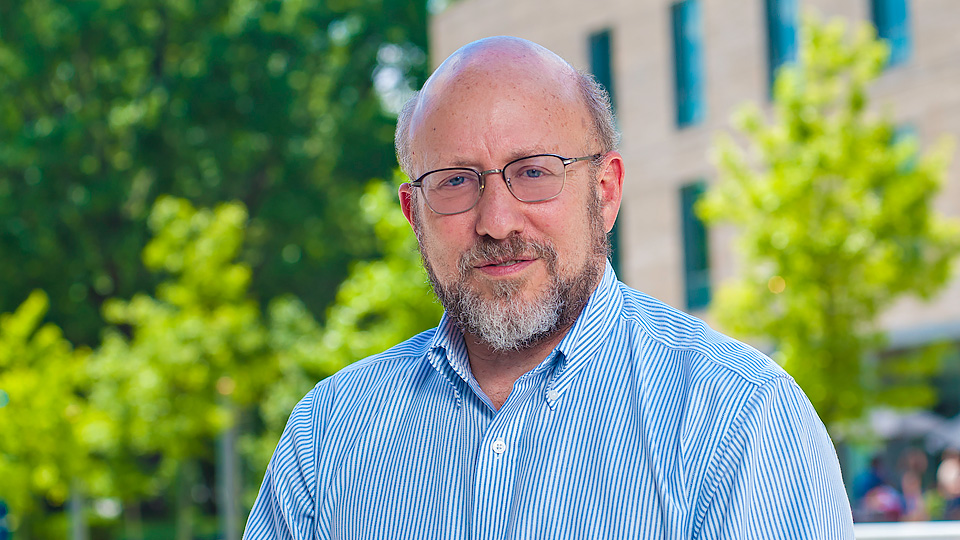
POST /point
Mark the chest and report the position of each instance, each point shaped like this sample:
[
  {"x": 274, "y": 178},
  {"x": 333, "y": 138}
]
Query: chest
[{"x": 431, "y": 466}]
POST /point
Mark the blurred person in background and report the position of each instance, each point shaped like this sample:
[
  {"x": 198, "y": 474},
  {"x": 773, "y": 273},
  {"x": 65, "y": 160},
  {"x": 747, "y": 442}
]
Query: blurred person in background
[
  {"x": 552, "y": 401},
  {"x": 869, "y": 479},
  {"x": 913, "y": 464},
  {"x": 948, "y": 482},
  {"x": 875, "y": 499}
]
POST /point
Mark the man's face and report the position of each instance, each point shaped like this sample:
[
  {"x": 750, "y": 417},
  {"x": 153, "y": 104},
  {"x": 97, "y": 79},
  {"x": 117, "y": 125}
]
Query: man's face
[{"x": 511, "y": 273}]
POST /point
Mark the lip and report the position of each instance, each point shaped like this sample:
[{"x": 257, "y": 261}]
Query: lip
[{"x": 497, "y": 268}]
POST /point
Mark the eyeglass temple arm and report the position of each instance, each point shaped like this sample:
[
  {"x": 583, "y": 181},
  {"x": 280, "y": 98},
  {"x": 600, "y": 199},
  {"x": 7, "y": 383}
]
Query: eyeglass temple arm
[{"x": 568, "y": 161}]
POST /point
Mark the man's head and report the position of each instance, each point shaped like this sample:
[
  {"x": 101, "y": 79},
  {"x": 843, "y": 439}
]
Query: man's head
[{"x": 512, "y": 273}]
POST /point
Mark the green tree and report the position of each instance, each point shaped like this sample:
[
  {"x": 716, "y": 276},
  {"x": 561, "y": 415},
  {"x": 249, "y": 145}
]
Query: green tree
[
  {"x": 386, "y": 300},
  {"x": 50, "y": 436},
  {"x": 186, "y": 365},
  {"x": 108, "y": 104},
  {"x": 178, "y": 368},
  {"x": 835, "y": 217},
  {"x": 383, "y": 302}
]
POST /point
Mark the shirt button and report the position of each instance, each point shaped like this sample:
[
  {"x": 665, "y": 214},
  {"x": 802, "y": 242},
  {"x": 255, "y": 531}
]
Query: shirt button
[
  {"x": 552, "y": 395},
  {"x": 499, "y": 446}
]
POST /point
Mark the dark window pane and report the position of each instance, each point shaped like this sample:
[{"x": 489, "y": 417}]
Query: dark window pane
[
  {"x": 781, "y": 34},
  {"x": 601, "y": 65},
  {"x": 696, "y": 258},
  {"x": 892, "y": 19},
  {"x": 688, "y": 60}
]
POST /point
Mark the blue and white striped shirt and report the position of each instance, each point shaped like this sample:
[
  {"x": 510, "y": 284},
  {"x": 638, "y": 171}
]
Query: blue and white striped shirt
[{"x": 643, "y": 423}]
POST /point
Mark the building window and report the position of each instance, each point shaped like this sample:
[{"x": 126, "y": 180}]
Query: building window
[
  {"x": 601, "y": 66},
  {"x": 696, "y": 260},
  {"x": 892, "y": 20},
  {"x": 781, "y": 35},
  {"x": 688, "y": 60}
]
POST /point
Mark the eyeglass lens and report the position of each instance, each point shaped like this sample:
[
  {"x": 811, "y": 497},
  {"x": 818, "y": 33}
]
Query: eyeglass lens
[{"x": 532, "y": 179}]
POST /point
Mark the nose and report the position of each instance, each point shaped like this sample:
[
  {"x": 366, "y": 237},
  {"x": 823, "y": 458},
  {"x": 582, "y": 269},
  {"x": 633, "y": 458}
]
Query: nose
[{"x": 498, "y": 213}]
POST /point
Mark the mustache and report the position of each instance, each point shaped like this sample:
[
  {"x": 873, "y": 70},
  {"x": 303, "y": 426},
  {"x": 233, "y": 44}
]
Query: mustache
[{"x": 513, "y": 247}]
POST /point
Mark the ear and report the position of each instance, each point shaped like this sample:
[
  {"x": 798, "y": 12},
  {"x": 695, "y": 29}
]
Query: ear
[
  {"x": 611, "y": 187},
  {"x": 406, "y": 202}
]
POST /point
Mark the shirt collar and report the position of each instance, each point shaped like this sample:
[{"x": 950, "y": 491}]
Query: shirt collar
[
  {"x": 449, "y": 347},
  {"x": 590, "y": 329}
]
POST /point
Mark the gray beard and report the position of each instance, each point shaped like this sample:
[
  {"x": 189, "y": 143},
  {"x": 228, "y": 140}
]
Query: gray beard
[{"x": 502, "y": 322}]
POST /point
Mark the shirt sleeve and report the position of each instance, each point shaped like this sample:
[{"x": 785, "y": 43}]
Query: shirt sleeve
[
  {"x": 775, "y": 474},
  {"x": 285, "y": 508}
]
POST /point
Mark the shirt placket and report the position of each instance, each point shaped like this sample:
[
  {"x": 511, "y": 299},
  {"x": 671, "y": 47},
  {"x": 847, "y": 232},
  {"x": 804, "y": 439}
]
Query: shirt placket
[{"x": 499, "y": 460}]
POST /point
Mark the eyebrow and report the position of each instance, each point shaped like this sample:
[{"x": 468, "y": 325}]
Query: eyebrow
[{"x": 470, "y": 164}]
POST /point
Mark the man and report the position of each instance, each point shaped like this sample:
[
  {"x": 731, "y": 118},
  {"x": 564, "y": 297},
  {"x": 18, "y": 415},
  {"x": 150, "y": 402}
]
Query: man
[{"x": 552, "y": 401}]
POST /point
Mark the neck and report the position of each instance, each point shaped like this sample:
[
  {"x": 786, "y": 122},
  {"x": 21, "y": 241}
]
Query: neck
[{"x": 496, "y": 371}]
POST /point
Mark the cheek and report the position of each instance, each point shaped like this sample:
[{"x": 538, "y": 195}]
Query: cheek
[
  {"x": 574, "y": 238},
  {"x": 441, "y": 245}
]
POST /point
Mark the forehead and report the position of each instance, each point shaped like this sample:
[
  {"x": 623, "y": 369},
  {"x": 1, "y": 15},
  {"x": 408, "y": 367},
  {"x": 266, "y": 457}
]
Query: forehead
[{"x": 498, "y": 106}]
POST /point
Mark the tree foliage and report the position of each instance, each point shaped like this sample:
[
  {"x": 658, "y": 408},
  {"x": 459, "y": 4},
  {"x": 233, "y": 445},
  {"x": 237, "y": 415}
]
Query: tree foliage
[
  {"x": 109, "y": 104},
  {"x": 836, "y": 219},
  {"x": 50, "y": 435},
  {"x": 124, "y": 121},
  {"x": 177, "y": 365},
  {"x": 386, "y": 300},
  {"x": 381, "y": 303}
]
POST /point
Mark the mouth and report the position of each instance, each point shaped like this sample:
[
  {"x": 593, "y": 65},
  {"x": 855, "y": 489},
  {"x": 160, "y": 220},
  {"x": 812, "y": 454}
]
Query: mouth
[
  {"x": 503, "y": 268},
  {"x": 501, "y": 259},
  {"x": 507, "y": 262}
]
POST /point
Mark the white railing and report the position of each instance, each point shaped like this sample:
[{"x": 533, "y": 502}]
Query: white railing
[{"x": 917, "y": 530}]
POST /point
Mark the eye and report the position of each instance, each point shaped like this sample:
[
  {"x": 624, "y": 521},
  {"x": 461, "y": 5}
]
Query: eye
[
  {"x": 452, "y": 180},
  {"x": 532, "y": 173}
]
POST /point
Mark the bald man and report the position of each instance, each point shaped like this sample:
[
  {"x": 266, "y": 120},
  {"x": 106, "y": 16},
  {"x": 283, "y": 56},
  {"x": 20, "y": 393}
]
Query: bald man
[{"x": 551, "y": 401}]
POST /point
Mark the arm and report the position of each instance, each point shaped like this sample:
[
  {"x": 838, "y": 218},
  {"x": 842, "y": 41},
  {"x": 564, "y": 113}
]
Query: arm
[
  {"x": 775, "y": 474},
  {"x": 285, "y": 509}
]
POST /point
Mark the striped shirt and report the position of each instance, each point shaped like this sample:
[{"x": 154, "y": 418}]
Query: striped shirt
[{"x": 642, "y": 423}]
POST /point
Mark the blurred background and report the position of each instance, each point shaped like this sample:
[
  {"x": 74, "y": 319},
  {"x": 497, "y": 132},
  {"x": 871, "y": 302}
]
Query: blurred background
[{"x": 198, "y": 221}]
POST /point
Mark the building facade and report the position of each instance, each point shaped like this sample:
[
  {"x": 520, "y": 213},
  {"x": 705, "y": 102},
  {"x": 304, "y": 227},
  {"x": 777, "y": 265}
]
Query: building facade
[{"x": 677, "y": 70}]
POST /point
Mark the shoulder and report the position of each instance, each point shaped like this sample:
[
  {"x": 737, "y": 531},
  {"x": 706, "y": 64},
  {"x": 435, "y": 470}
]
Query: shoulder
[
  {"x": 395, "y": 358},
  {"x": 774, "y": 469},
  {"x": 361, "y": 376},
  {"x": 333, "y": 398},
  {"x": 747, "y": 431},
  {"x": 336, "y": 408},
  {"x": 706, "y": 353},
  {"x": 718, "y": 385}
]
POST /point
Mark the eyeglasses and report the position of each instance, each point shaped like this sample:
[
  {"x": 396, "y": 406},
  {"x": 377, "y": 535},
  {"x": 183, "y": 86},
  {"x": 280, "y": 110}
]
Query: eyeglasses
[{"x": 530, "y": 179}]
